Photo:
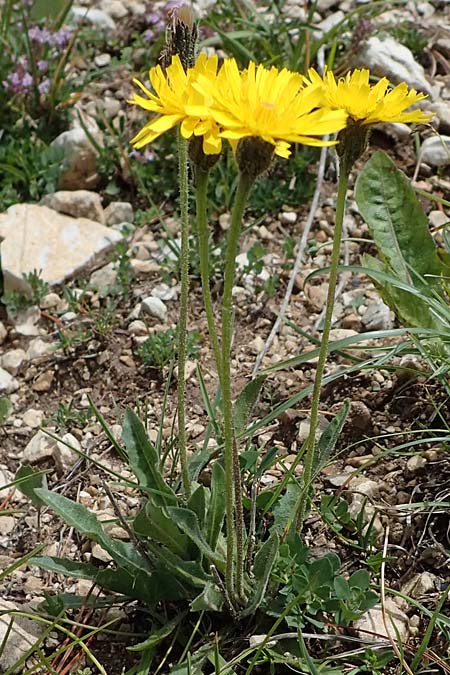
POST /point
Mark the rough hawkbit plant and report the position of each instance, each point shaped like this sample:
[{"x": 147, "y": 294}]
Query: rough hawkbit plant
[
  {"x": 261, "y": 112},
  {"x": 365, "y": 105}
]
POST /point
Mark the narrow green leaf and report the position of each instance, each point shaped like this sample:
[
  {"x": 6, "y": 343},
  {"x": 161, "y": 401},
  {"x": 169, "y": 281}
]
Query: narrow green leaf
[
  {"x": 264, "y": 561},
  {"x": 157, "y": 636},
  {"x": 86, "y": 523},
  {"x": 197, "y": 504},
  {"x": 30, "y": 479},
  {"x": 411, "y": 309},
  {"x": 5, "y": 403},
  {"x": 187, "y": 521},
  {"x": 144, "y": 459},
  {"x": 209, "y": 599},
  {"x": 329, "y": 438},
  {"x": 185, "y": 570},
  {"x": 396, "y": 220},
  {"x": 216, "y": 509},
  {"x": 245, "y": 403},
  {"x": 153, "y": 523},
  {"x": 286, "y": 508}
]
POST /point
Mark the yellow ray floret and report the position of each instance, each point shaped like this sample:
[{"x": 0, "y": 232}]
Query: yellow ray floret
[
  {"x": 172, "y": 96},
  {"x": 366, "y": 103},
  {"x": 269, "y": 104}
]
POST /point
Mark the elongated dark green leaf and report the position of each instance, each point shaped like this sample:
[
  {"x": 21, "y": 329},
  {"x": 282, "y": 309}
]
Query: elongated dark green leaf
[
  {"x": 5, "y": 403},
  {"x": 197, "y": 504},
  {"x": 245, "y": 403},
  {"x": 262, "y": 568},
  {"x": 187, "y": 521},
  {"x": 86, "y": 523},
  {"x": 285, "y": 509},
  {"x": 117, "y": 580},
  {"x": 329, "y": 438},
  {"x": 210, "y": 599},
  {"x": 192, "y": 572},
  {"x": 30, "y": 479},
  {"x": 396, "y": 220},
  {"x": 216, "y": 509},
  {"x": 409, "y": 308},
  {"x": 152, "y": 522},
  {"x": 157, "y": 636},
  {"x": 144, "y": 459}
]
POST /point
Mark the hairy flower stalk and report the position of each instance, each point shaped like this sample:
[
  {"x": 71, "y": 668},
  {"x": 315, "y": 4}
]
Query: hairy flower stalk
[{"x": 365, "y": 105}]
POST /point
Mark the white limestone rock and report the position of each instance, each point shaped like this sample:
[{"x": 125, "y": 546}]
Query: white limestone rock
[
  {"x": 96, "y": 17},
  {"x": 435, "y": 151},
  {"x": 12, "y": 360},
  {"x": 155, "y": 307},
  {"x": 119, "y": 212},
  {"x": 386, "y": 57},
  {"x": 79, "y": 160},
  {"x": 8, "y": 383},
  {"x": 38, "y": 238},
  {"x": 371, "y": 625},
  {"x": 76, "y": 203}
]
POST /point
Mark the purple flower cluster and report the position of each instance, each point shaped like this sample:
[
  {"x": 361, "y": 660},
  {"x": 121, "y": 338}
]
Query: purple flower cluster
[
  {"x": 142, "y": 158},
  {"x": 43, "y": 36},
  {"x": 20, "y": 80}
]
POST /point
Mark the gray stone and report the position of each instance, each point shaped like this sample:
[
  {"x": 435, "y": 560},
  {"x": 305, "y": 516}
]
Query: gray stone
[
  {"x": 50, "y": 301},
  {"x": 435, "y": 151},
  {"x": 416, "y": 463},
  {"x": 96, "y": 17},
  {"x": 103, "y": 279},
  {"x": 371, "y": 624},
  {"x": 12, "y": 360},
  {"x": 38, "y": 348},
  {"x": 119, "y": 212},
  {"x": 36, "y": 237},
  {"x": 155, "y": 307},
  {"x": 438, "y": 218},
  {"x": 377, "y": 317},
  {"x": 324, "y": 5},
  {"x": 76, "y": 203},
  {"x": 420, "y": 584},
  {"x": 33, "y": 418},
  {"x": 3, "y": 332},
  {"x": 327, "y": 24},
  {"x": 7, "y": 524},
  {"x": 288, "y": 217},
  {"x": 137, "y": 327},
  {"x": 44, "y": 381},
  {"x": 26, "y": 321},
  {"x": 79, "y": 166},
  {"x": 386, "y": 57},
  {"x": 8, "y": 383},
  {"x": 164, "y": 292},
  {"x": 102, "y": 60},
  {"x": 65, "y": 452},
  {"x": 39, "y": 448},
  {"x": 114, "y": 8},
  {"x": 23, "y": 634}
]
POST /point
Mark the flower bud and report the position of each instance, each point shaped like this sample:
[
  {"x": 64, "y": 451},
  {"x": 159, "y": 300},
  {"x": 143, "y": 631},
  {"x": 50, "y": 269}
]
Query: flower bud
[{"x": 253, "y": 156}]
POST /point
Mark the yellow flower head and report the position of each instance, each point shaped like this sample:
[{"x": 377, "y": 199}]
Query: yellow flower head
[
  {"x": 366, "y": 103},
  {"x": 269, "y": 104},
  {"x": 175, "y": 99}
]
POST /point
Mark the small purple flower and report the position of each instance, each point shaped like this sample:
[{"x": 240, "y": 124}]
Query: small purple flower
[
  {"x": 42, "y": 66},
  {"x": 62, "y": 37},
  {"x": 27, "y": 80},
  {"x": 40, "y": 35},
  {"x": 28, "y": 3},
  {"x": 149, "y": 35},
  {"x": 44, "y": 86},
  {"x": 153, "y": 18}
]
